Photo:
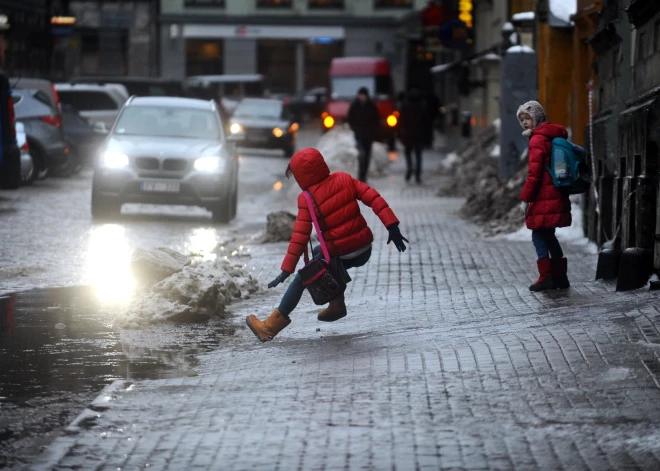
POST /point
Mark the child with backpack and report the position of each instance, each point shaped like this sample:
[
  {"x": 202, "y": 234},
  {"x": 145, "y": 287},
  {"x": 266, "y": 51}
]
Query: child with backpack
[
  {"x": 334, "y": 199},
  {"x": 544, "y": 206}
]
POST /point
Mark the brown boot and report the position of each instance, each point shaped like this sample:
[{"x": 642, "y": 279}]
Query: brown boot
[
  {"x": 269, "y": 328},
  {"x": 335, "y": 310}
]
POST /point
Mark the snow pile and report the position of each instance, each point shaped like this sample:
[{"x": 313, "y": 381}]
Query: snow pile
[
  {"x": 340, "y": 151},
  {"x": 474, "y": 172},
  {"x": 524, "y": 16},
  {"x": 471, "y": 163},
  {"x": 520, "y": 50},
  {"x": 279, "y": 227},
  {"x": 563, "y": 9},
  {"x": 195, "y": 293},
  {"x": 151, "y": 266}
]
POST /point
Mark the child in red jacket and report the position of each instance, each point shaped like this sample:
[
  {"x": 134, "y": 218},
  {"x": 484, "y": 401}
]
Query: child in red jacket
[
  {"x": 346, "y": 234},
  {"x": 544, "y": 206}
]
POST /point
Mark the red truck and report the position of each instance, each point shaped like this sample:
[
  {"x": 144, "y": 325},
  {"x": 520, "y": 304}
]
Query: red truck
[{"x": 347, "y": 75}]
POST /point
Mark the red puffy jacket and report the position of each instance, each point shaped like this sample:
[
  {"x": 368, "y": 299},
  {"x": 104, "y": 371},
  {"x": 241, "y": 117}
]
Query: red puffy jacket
[
  {"x": 337, "y": 195},
  {"x": 549, "y": 207}
]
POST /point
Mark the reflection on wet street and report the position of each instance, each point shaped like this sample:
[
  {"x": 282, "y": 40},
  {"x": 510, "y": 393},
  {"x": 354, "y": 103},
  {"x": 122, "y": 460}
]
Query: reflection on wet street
[{"x": 58, "y": 349}]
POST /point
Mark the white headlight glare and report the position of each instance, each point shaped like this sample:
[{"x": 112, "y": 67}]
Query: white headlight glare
[
  {"x": 113, "y": 159},
  {"x": 208, "y": 164},
  {"x": 235, "y": 128}
]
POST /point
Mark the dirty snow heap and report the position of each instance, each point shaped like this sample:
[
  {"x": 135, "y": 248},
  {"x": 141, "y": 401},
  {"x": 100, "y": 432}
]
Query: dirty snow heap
[{"x": 193, "y": 292}]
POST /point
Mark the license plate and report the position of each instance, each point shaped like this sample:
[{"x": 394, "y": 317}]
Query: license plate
[{"x": 161, "y": 187}]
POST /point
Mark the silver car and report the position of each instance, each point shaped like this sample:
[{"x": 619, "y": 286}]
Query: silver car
[{"x": 166, "y": 150}]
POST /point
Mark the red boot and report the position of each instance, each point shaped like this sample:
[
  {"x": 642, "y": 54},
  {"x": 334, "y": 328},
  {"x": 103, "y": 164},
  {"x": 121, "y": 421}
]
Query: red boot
[
  {"x": 559, "y": 269},
  {"x": 545, "y": 280}
]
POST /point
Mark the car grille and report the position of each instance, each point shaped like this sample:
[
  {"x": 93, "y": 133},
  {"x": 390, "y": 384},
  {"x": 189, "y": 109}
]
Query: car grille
[
  {"x": 147, "y": 163},
  {"x": 174, "y": 165}
]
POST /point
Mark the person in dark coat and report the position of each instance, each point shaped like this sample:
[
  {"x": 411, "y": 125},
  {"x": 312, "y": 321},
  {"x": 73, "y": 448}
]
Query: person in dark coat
[
  {"x": 433, "y": 105},
  {"x": 544, "y": 206},
  {"x": 413, "y": 119},
  {"x": 364, "y": 120}
]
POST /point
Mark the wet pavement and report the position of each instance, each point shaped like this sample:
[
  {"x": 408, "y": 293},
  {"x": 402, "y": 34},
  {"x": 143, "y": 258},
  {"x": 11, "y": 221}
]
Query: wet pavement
[
  {"x": 445, "y": 361},
  {"x": 60, "y": 288}
]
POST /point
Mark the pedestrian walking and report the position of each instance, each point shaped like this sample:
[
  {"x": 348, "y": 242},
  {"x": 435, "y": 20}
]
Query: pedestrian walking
[
  {"x": 364, "y": 120},
  {"x": 544, "y": 206},
  {"x": 413, "y": 120},
  {"x": 433, "y": 105},
  {"x": 345, "y": 232}
]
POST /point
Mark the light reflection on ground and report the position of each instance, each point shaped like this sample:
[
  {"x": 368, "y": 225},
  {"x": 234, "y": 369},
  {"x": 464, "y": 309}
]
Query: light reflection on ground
[{"x": 108, "y": 263}]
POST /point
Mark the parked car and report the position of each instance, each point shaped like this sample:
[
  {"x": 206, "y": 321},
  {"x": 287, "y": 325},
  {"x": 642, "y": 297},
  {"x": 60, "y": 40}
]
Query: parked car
[
  {"x": 166, "y": 150},
  {"x": 10, "y": 159},
  {"x": 27, "y": 165},
  {"x": 265, "y": 123},
  {"x": 94, "y": 102},
  {"x": 83, "y": 139},
  {"x": 139, "y": 86},
  {"x": 45, "y": 86},
  {"x": 225, "y": 89},
  {"x": 308, "y": 105},
  {"x": 43, "y": 127}
]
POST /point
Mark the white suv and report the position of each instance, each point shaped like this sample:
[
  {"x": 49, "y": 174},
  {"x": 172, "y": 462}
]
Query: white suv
[{"x": 95, "y": 102}]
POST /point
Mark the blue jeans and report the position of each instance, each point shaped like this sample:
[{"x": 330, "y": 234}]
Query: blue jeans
[
  {"x": 296, "y": 288},
  {"x": 546, "y": 243}
]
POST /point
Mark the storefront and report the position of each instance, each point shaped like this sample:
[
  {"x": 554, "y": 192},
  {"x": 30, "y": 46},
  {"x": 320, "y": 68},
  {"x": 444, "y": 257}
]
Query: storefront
[{"x": 291, "y": 58}]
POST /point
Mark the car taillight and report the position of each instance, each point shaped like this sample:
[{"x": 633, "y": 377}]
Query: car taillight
[
  {"x": 57, "y": 97},
  {"x": 52, "y": 120}
]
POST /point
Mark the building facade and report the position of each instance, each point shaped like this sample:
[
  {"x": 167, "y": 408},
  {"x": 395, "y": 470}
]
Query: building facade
[{"x": 290, "y": 42}]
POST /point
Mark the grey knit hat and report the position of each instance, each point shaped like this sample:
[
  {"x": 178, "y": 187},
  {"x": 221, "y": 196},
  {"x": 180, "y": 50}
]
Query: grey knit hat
[{"x": 533, "y": 109}]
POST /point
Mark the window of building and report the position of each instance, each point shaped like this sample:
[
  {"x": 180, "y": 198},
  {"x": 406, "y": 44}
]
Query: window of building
[
  {"x": 204, "y": 3},
  {"x": 334, "y": 4},
  {"x": 393, "y": 3},
  {"x": 656, "y": 35},
  {"x": 276, "y": 61},
  {"x": 204, "y": 57},
  {"x": 274, "y": 3}
]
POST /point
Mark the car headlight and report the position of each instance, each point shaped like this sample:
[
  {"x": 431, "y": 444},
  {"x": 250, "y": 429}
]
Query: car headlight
[
  {"x": 277, "y": 132},
  {"x": 391, "y": 120},
  {"x": 236, "y": 128},
  {"x": 209, "y": 164},
  {"x": 113, "y": 159}
]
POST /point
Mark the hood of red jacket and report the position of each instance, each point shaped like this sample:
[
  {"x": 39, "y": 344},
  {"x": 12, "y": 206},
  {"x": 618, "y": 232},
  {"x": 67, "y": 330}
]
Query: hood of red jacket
[
  {"x": 309, "y": 167},
  {"x": 550, "y": 131}
]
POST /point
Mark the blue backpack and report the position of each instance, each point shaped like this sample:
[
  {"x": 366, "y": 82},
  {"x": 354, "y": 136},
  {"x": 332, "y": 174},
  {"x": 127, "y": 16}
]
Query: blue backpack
[{"x": 568, "y": 167}]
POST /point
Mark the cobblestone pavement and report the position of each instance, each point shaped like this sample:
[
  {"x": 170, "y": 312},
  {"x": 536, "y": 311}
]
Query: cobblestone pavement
[{"x": 445, "y": 361}]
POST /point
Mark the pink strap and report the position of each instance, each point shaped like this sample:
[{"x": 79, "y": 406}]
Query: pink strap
[{"x": 310, "y": 206}]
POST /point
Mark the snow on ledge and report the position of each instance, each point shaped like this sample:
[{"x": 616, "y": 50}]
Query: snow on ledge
[
  {"x": 520, "y": 50},
  {"x": 563, "y": 9},
  {"x": 436, "y": 69},
  {"x": 524, "y": 16}
]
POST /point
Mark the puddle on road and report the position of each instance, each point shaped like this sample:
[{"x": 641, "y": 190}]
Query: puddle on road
[
  {"x": 62, "y": 340},
  {"x": 58, "y": 350}
]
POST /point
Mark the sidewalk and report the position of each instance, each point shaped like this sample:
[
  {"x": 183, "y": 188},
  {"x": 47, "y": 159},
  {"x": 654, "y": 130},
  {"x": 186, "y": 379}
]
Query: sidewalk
[{"x": 445, "y": 361}]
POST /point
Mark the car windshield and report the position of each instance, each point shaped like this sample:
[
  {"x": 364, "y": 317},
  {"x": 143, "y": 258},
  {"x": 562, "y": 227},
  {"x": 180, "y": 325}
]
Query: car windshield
[
  {"x": 347, "y": 87},
  {"x": 163, "y": 121},
  {"x": 259, "y": 109}
]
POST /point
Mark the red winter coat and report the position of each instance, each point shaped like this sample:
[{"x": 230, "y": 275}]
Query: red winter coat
[
  {"x": 549, "y": 208},
  {"x": 337, "y": 195}
]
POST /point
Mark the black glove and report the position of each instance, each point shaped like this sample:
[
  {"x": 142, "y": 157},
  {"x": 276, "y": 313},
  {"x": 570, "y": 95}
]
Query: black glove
[
  {"x": 396, "y": 237},
  {"x": 280, "y": 279}
]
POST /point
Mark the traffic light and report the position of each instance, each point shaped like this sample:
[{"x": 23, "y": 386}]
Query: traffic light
[{"x": 465, "y": 12}]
